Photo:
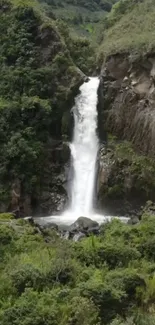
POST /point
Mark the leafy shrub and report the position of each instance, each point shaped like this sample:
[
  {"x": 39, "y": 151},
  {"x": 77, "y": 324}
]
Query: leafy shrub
[
  {"x": 117, "y": 255},
  {"x": 106, "y": 297},
  {"x": 6, "y": 216},
  {"x": 47, "y": 308},
  {"x": 62, "y": 271},
  {"x": 27, "y": 276},
  {"x": 114, "y": 254},
  {"x": 128, "y": 280},
  {"x": 6, "y": 234}
]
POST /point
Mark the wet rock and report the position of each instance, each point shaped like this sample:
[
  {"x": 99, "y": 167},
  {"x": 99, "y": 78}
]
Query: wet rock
[
  {"x": 83, "y": 224},
  {"x": 133, "y": 220},
  {"x": 44, "y": 223},
  {"x": 30, "y": 220},
  {"x": 66, "y": 235},
  {"x": 25, "y": 206},
  {"x": 52, "y": 202},
  {"x": 117, "y": 190},
  {"x": 77, "y": 237},
  {"x": 93, "y": 230},
  {"x": 51, "y": 225}
]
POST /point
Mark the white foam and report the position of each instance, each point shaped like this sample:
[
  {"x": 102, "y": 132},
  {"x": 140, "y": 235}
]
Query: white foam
[
  {"x": 68, "y": 219},
  {"x": 84, "y": 149}
]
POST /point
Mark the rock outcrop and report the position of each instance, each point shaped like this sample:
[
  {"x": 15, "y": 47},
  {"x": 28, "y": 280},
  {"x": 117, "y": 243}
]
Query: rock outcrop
[
  {"x": 127, "y": 100},
  {"x": 54, "y": 196},
  {"x": 127, "y": 111},
  {"x": 119, "y": 190},
  {"x": 81, "y": 228}
]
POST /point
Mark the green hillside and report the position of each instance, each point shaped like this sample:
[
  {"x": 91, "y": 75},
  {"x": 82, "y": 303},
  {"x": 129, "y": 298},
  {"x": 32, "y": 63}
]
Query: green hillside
[
  {"x": 38, "y": 81},
  {"x": 103, "y": 280},
  {"x": 81, "y": 275},
  {"x": 82, "y": 15},
  {"x": 129, "y": 27}
]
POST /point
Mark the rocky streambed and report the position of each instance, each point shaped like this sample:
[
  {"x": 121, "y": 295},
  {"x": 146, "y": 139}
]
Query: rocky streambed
[
  {"x": 81, "y": 228},
  {"x": 84, "y": 227}
]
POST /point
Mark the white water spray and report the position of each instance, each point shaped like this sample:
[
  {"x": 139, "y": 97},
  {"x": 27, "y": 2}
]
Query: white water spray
[{"x": 84, "y": 149}]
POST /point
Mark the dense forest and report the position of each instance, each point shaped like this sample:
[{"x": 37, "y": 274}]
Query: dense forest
[
  {"x": 48, "y": 48},
  {"x": 90, "y": 4},
  {"x": 36, "y": 89}
]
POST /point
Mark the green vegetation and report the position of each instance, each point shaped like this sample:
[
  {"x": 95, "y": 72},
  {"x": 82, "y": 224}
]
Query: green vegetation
[
  {"x": 80, "y": 48},
  {"x": 141, "y": 167},
  {"x": 107, "y": 279},
  {"x": 132, "y": 174},
  {"x": 6, "y": 216},
  {"x": 129, "y": 28},
  {"x": 82, "y": 16},
  {"x": 38, "y": 81},
  {"x": 45, "y": 280}
]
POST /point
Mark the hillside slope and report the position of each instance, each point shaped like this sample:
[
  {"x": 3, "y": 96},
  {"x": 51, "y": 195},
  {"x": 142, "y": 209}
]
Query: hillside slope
[
  {"x": 81, "y": 15},
  {"x": 102, "y": 280},
  {"x": 127, "y": 100},
  {"x": 38, "y": 82},
  {"x": 129, "y": 27}
]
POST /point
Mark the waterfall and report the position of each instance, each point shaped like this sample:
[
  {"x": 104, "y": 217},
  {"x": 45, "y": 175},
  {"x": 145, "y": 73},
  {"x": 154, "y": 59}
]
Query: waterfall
[{"x": 84, "y": 149}]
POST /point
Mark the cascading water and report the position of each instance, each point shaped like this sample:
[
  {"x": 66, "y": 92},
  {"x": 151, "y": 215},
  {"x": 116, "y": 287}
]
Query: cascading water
[{"x": 84, "y": 149}]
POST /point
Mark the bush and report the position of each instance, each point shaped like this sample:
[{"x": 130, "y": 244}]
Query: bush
[
  {"x": 32, "y": 308},
  {"x": 48, "y": 308},
  {"x": 95, "y": 251},
  {"x": 6, "y": 235},
  {"x": 107, "y": 298},
  {"x": 117, "y": 254},
  {"x": 27, "y": 276},
  {"x": 6, "y": 216},
  {"x": 128, "y": 280},
  {"x": 63, "y": 272}
]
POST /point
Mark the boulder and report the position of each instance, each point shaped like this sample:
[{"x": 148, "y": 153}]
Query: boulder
[
  {"x": 84, "y": 224},
  {"x": 133, "y": 220},
  {"x": 44, "y": 223},
  {"x": 51, "y": 225},
  {"x": 30, "y": 220}
]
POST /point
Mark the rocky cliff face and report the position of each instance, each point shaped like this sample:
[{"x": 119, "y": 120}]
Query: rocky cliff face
[
  {"x": 128, "y": 89},
  {"x": 127, "y": 110},
  {"x": 38, "y": 83}
]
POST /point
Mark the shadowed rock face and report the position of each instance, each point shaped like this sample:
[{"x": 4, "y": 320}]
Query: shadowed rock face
[
  {"x": 127, "y": 100},
  {"x": 54, "y": 196},
  {"x": 118, "y": 190},
  {"x": 127, "y": 111}
]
